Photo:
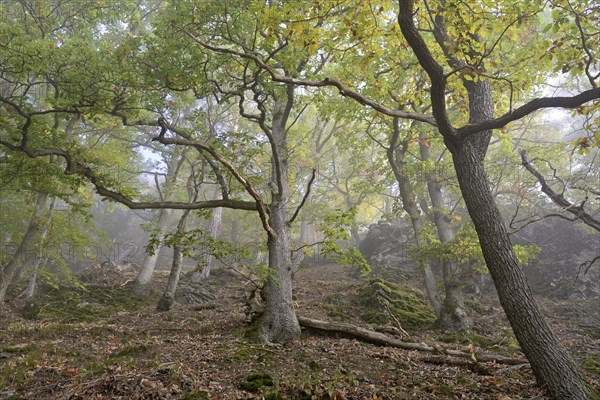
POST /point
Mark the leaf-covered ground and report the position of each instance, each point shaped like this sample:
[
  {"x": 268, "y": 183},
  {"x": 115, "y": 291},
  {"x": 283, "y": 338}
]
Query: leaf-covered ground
[{"x": 102, "y": 344}]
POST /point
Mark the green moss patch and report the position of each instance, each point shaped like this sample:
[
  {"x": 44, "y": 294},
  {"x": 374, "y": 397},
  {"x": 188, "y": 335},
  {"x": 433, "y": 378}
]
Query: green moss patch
[
  {"x": 505, "y": 345},
  {"x": 385, "y": 301},
  {"x": 73, "y": 304},
  {"x": 592, "y": 363},
  {"x": 257, "y": 380}
]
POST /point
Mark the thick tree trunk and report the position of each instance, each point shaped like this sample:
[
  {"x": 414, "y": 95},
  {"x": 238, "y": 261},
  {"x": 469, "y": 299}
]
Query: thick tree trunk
[
  {"x": 168, "y": 297},
  {"x": 551, "y": 364},
  {"x": 144, "y": 278},
  {"x": 279, "y": 323},
  {"x": 8, "y": 273},
  {"x": 453, "y": 316}
]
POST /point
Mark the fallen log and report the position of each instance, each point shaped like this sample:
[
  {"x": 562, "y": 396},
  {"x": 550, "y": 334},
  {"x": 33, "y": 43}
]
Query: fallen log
[{"x": 374, "y": 337}]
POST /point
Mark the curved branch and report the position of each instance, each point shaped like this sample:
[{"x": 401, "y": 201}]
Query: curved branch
[
  {"x": 186, "y": 141},
  {"x": 74, "y": 168},
  {"x": 433, "y": 69},
  {"x": 308, "y": 187},
  {"x": 558, "y": 198},
  {"x": 528, "y": 108},
  {"x": 343, "y": 89}
]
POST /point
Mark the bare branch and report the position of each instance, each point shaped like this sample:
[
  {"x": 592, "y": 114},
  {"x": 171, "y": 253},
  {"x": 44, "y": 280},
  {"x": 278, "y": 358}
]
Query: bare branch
[
  {"x": 308, "y": 187},
  {"x": 558, "y": 198}
]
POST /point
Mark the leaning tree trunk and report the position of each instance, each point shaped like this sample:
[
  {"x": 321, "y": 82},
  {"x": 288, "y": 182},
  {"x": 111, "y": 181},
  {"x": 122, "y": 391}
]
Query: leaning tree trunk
[
  {"x": 550, "y": 362},
  {"x": 453, "y": 316},
  {"x": 144, "y": 278},
  {"x": 142, "y": 282},
  {"x": 168, "y": 297},
  {"x": 10, "y": 271}
]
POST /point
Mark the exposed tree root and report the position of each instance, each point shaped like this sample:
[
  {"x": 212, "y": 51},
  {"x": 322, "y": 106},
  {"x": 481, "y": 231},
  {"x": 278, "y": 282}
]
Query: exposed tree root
[{"x": 370, "y": 336}]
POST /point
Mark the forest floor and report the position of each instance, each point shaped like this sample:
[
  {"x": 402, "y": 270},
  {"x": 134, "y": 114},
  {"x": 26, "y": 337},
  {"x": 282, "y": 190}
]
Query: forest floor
[{"x": 134, "y": 352}]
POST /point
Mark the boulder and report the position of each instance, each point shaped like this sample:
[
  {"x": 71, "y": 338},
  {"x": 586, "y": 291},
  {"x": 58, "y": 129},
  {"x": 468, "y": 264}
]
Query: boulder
[{"x": 386, "y": 244}]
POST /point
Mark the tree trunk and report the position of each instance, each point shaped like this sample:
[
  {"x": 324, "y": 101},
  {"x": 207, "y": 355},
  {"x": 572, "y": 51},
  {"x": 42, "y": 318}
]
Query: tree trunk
[
  {"x": 214, "y": 230},
  {"x": 29, "y": 293},
  {"x": 168, "y": 297},
  {"x": 453, "y": 316},
  {"x": 395, "y": 157},
  {"x": 410, "y": 207},
  {"x": 144, "y": 278},
  {"x": 550, "y": 362},
  {"x": 279, "y": 323},
  {"x": 10, "y": 271},
  {"x": 354, "y": 235},
  {"x": 142, "y": 282},
  {"x": 235, "y": 227}
]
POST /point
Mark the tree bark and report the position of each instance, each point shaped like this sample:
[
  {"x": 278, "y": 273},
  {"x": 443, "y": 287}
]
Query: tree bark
[
  {"x": 214, "y": 230},
  {"x": 395, "y": 156},
  {"x": 168, "y": 297},
  {"x": 551, "y": 364},
  {"x": 144, "y": 278},
  {"x": 381, "y": 339},
  {"x": 142, "y": 282},
  {"x": 279, "y": 323},
  {"x": 10, "y": 271},
  {"x": 453, "y": 316},
  {"x": 29, "y": 293}
]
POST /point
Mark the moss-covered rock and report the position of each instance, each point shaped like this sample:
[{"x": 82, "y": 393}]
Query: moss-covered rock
[
  {"x": 68, "y": 304},
  {"x": 386, "y": 300}
]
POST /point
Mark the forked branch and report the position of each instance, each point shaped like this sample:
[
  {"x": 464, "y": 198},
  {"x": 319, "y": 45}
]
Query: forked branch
[{"x": 558, "y": 198}]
